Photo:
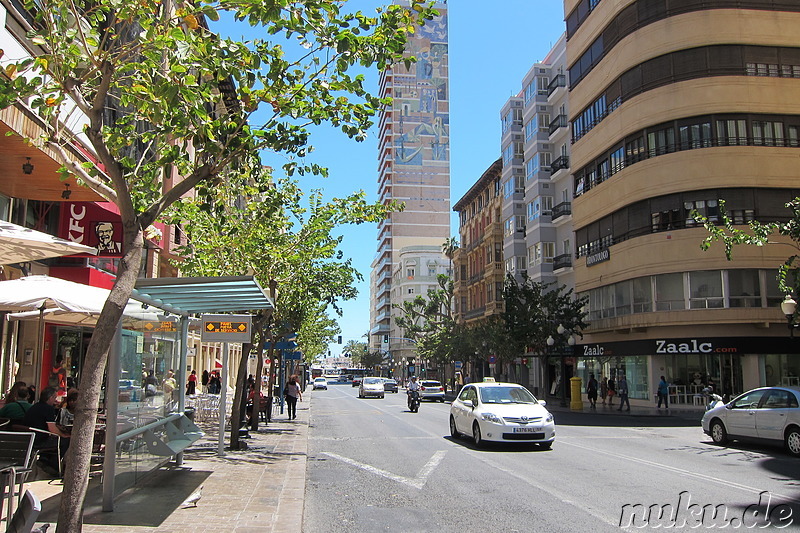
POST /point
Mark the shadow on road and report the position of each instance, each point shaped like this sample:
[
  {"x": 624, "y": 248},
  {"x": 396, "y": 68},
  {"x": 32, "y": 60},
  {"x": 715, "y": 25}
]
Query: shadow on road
[
  {"x": 572, "y": 418},
  {"x": 489, "y": 446}
]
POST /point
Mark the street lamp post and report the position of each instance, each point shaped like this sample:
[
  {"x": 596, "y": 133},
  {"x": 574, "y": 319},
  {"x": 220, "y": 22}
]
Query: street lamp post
[
  {"x": 788, "y": 307},
  {"x": 571, "y": 342}
]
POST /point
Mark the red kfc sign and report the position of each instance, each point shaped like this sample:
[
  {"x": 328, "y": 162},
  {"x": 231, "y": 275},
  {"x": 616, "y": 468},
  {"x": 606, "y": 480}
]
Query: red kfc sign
[{"x": 89, "y": 223}]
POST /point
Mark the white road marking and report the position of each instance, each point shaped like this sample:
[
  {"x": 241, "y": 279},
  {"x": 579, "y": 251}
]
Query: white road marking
[
  {"x": 690, "y": 473},
  {"x": 417, "y": 482}
]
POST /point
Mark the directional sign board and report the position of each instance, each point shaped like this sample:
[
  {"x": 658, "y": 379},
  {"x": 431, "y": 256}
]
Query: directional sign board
[
  {"x": 161, "y": 326},
  {"x": 227, "y": 328},
  {"x": 292, "y": 356},
  {"x": 458, "y": 365}
]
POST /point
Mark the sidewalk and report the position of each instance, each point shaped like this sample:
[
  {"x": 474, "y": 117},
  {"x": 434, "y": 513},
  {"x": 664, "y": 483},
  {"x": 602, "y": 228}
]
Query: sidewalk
[{"x": 257, "y": 490}]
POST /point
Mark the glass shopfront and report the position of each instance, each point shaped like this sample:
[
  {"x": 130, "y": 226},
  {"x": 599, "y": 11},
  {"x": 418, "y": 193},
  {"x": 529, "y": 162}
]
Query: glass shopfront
[
  {"x": 634, "y": 367},
  {"x": 782, "y": 370}
]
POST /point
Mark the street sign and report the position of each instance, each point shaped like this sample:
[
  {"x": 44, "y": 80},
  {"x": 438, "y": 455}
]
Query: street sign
[
  {"x": 492, "y": 359},
  {"x": 292, "y": 356},
  {"x": 227, "y": 328},
  {"x": 160, "y": 326},
  {"x": 458, "y": 365}
]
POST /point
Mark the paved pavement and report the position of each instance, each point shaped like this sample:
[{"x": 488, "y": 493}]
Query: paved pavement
[
  {"x": 260, "y": 489},
  {"x": 257, "y": 490}
]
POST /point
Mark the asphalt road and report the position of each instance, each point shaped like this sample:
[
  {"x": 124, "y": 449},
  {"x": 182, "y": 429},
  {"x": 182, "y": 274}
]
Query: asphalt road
[{"x": 375, "y": 466}]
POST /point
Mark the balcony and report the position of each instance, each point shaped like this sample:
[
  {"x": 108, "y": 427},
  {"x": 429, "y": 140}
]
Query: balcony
[
  {"x": 562, "y": 261},
  {"x": 560, "y": 163},
  {"x": 557, "y": 81},
  {"x": 558, "y": 122},
  {"x": 474, "y": 313},
  {"x": 562, "y": 209}
]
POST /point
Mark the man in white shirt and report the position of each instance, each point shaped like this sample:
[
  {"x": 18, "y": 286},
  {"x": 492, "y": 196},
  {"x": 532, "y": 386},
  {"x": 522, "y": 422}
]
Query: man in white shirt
[{"x": 413, "y": 386}]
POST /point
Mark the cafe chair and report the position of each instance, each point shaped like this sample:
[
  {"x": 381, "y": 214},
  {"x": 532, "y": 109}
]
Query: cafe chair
[
  {"x": 39, "y": 451},
  {"x": 25, "y": 517},
  {"x": 16, "y": 459}
]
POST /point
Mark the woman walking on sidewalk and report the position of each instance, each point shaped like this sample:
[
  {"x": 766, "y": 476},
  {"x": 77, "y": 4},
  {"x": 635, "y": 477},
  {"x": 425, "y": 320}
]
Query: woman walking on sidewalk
[{"x": 293, "y": 394}]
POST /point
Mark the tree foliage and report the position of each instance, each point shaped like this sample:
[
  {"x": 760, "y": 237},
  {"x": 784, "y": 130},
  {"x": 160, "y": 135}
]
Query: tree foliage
[
  {"x": 167, "y": 107},
  {"x": 758, "y": 234}
]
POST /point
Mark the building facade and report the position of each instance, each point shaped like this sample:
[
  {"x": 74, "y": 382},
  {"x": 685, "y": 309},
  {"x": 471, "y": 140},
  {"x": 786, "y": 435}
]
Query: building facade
[
  {"x": 414, "y": 168},
  {"x": 478, "y": 263},
  {"x": 674, "y": 107}
]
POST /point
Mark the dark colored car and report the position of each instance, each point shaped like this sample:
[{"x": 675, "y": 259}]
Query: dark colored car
[
  {"x": 356, "y": 381},
  {"x": 389, "y": 385}
]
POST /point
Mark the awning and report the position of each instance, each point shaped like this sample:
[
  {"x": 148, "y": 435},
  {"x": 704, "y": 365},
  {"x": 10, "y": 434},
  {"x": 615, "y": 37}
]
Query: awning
[
  {"x": 19, "y": 244},
  {"x": 32, "y": 293},
  {"x": 203, "y": 295}
]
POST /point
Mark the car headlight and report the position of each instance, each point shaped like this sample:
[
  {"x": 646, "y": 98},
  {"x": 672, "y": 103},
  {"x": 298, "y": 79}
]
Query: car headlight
[
  {"x": 549, "y": 418},
  {"x": 491, "y": 417}
]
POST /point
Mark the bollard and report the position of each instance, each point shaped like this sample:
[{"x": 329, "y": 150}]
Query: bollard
[{"x": 576, "y": 404}]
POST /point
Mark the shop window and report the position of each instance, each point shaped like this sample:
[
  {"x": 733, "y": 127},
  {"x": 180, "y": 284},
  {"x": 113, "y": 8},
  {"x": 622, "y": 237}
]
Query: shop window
[
  {"x": 669, "y": 292},
  {"x": 744, "y": 288}
]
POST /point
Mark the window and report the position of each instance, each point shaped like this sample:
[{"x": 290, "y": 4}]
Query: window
[
  {"x": 508, "y": 154},
  {"x": 411, "y": 290},
  {"x": 661, "y": 141},
  {"x": 705, "y": 290},
  {"x": 520, "y": 226},
  {"x": 530, "y": 92},
  {"x": 695, "y": 136},
  {"x": 531, "y": 127},
  {"x": 566, "y": 247},
  {"x": 544, "y": 123},
  {"x": 508, "y": 227},
  {"x": 431, "y": 271},
  {"x": 732, "y": 132},
  {"x": 542, "y": 252},
  {"x": 744, "y": 288},
  {"x": 409, "y": 272},
  {"x": 669, "y": 292},
  {"x": 519, "y": 184},
  {"x": 642, "y": 295},
  {"x": 541, "y": 205},
  {"x": 520, "y": 263},
  {"x": 543, "y": 82},
  {"x": 706, "y": 208},
  {"x": 508, "y": 188},
  {"x": 767, "y": 133}
]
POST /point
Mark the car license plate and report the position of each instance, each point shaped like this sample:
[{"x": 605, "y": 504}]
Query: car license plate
[{"x": 527, "y": 430}]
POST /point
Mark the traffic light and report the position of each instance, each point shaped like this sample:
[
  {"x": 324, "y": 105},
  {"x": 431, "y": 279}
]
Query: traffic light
[
  {"x": 339, "y": 340},
  {"x": 386, "y": 339}
]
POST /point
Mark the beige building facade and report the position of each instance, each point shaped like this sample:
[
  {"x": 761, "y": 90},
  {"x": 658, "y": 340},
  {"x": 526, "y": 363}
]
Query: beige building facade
[
  {"x": 414, "y": 169},
  {"x": 675, "y": 106}
]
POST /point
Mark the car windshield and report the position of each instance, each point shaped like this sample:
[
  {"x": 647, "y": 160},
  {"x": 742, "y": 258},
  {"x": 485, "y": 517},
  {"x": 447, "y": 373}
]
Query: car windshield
[
  {"x": 320, "y": 379},
  {"x": 506, "y": 395},
  {"x": 372, "y": 381}
]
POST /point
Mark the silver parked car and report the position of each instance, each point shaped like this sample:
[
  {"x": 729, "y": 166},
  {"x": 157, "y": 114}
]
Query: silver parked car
[{"x": 770, "y": 414}]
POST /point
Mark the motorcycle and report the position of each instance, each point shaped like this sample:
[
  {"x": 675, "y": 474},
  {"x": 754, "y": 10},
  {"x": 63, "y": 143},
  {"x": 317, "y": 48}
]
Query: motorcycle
[
  {"x": 413, "y": 401},
  {"x": 714, "y": 400}
]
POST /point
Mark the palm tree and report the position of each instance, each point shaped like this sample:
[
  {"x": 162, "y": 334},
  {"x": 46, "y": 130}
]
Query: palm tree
[{"x": 449, "y": 248}]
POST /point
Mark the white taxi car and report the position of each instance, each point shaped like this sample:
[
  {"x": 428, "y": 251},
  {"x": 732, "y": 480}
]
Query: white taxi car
[{"x": 501, "y": 412}]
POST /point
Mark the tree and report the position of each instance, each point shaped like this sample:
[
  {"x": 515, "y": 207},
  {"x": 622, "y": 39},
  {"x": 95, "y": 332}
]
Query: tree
[
  {"x": 357, "y": 350},
  {"x": 759, "y": 234},
  {"x": 428, "y": 321},
  {"x": 449, "y": 248},
  {"x": 165, "y": 100},
  {"x": 534, "y": 311}
]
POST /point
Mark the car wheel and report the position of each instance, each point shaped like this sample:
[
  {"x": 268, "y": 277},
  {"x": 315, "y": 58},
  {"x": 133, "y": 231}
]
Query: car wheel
[
  {"x": 476, "y": 435},
  {"x": 453, "y": 430},
  {"x": 718, "y": 433},
  {"x": 793, "y": 441},
  {"x": 546, "y": 445},
  {"x": 442, "y": 400},
  {"x": 381, "y": 396}
]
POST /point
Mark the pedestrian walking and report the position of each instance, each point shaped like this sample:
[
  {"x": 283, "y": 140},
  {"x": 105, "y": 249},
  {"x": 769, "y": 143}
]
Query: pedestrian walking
[
  {"x": 603, "y": 389},
  {"x": 612, "y": 390},
  {"x": 591, "y": 391},
  {"x": 204, "y": 379},
  {"x": 663, "y": 393},
  {"x": 191, "y": 386},
  {"x": 622, "y": 389},
  {"x": 293, "y": 394}
]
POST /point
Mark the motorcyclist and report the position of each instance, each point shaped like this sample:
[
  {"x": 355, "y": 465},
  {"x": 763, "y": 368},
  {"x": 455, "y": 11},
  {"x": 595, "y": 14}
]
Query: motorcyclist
[{"x": 413, "y": 386}]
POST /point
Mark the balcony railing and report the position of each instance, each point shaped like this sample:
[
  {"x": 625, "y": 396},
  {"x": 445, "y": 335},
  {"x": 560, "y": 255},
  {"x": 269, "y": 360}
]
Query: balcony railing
[
  {"x": 560, "y": 163},
  {"x": 558, "y": 122},
  {"x": 562, "y": 261},
  {"x": 474, "y": 313},
  {"x": 557, "y": 81},
  {"x": 562, "y": 209}
]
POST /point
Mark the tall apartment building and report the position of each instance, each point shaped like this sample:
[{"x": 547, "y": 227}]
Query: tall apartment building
[
  {"x": 674, "y": 106},
  {"x": 414, "y": 168}
]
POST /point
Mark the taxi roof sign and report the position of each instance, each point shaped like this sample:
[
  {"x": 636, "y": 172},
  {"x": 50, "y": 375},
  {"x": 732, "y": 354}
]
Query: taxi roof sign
[{"x": 489, "y": 380}]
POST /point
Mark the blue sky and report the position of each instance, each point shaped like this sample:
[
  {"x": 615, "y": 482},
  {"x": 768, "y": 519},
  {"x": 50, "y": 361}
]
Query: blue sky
[{"x": 492, "y": 46}]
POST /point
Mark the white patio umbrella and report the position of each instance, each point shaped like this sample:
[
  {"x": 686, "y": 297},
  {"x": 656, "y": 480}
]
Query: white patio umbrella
[{"x": 19, "y": 244}]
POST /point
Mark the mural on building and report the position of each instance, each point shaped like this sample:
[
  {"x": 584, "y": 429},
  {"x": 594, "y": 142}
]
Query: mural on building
[{"x": 420, "y": 99}]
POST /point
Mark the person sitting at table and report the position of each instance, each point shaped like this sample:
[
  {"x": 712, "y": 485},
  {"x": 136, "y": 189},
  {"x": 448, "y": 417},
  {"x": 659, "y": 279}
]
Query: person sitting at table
[
  {"x": 12, "y": 392},
  {"x": 66, "y": 415},
  {"x": 42, "y": 415},
  {"x": 16, "y": 406}
]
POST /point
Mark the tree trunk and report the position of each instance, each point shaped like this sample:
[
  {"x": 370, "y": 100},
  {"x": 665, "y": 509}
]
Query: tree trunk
[
  {"x": 238, "y": 396},
  {"x": 259, "y": 372},
  {"x": 78, "y": 458}
]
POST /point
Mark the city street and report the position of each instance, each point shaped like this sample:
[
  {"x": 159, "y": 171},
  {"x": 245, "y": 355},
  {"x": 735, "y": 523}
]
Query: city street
[{"x": 375, "y": 466}]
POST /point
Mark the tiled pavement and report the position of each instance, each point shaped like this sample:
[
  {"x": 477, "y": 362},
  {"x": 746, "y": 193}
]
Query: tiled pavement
[{"x": 259, "y": 490}]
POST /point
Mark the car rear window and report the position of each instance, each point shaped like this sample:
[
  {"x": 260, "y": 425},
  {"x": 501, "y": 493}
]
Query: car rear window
[{"x": 431, "y": 384}]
